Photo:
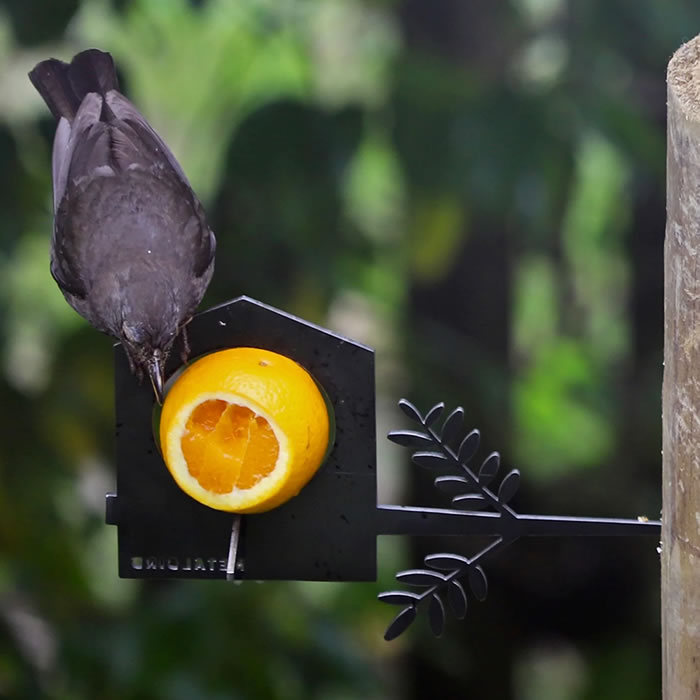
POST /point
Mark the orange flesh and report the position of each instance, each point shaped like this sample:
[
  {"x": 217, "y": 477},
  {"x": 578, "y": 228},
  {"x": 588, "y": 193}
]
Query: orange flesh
[{"x": 227, "y": 446}]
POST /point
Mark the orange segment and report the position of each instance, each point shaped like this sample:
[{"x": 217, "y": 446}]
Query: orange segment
[
  {"x": 196, "y": 442},
  {"x": 261, "y": 455},
  {"x": 244, "y": 429},
  {"x": 212, "y": 447}
]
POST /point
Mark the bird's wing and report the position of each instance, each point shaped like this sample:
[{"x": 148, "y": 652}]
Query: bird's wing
[
  {"x": 203, "y": 239},
  {"x": 65, "y": 274},
  {"x": 69, "y": 137},
  {"x": 135, "y": 142},
  {"x": 59, "y": 161},
  {"x": 80, "y": 147},
  {"x": 155, "y": 148}
]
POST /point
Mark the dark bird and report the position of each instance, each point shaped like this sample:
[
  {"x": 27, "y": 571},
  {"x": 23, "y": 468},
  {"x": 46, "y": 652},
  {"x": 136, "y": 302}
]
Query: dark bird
[{"x": 131, "y": 249}]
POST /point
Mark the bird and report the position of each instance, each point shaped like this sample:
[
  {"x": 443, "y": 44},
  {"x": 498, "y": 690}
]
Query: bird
[{"x": 131, "y": 249}]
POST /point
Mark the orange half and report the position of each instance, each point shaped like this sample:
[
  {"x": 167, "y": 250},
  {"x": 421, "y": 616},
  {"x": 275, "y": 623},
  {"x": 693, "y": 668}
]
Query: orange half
[{"x": 243, "y": 430}]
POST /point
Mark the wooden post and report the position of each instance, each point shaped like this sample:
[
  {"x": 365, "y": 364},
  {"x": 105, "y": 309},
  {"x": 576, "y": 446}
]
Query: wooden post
[{"x": 680, "y": 559}]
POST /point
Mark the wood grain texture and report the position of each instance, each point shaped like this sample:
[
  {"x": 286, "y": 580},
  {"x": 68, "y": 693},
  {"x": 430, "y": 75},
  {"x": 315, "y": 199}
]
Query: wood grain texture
[{"x": 680, "y": 561}]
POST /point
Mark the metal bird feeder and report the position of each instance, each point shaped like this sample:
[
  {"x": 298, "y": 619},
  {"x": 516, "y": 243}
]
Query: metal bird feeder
[{"x": 329, "y": 531}]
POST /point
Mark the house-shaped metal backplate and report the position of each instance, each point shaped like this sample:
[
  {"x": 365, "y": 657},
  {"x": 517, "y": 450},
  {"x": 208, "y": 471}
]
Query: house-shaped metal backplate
[{"x": 326, "y": 533}]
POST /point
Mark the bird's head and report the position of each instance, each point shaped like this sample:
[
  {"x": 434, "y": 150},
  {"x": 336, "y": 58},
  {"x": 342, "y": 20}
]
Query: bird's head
[{"x": 147, "y": 352}]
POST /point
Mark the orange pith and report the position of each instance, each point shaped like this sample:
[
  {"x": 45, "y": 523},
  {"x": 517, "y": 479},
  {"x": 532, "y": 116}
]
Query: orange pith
[{"x": 227, "y": 446}]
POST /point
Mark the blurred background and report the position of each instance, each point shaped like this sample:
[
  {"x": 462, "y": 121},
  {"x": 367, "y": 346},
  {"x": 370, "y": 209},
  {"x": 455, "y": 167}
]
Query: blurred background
[{"x": 474, "y": 189}]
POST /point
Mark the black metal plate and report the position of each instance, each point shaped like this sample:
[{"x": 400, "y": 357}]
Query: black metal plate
[{"x": 326, "y": 533}]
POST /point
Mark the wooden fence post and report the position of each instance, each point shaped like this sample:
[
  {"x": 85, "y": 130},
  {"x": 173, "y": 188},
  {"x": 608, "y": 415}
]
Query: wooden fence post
[{"x": 680, "y": 559}]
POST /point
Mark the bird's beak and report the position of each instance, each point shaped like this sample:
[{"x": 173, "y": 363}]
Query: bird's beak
[{"x": 155, "y": 373}]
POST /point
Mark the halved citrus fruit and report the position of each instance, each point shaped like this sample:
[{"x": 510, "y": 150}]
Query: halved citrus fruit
[{"x": 243, "y": 430}]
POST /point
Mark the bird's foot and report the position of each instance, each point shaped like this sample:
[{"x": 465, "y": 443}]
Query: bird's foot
[{"x": 185, "y": 352}]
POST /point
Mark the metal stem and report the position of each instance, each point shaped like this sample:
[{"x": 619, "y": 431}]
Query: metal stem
[{"x": 409, "y": 520}]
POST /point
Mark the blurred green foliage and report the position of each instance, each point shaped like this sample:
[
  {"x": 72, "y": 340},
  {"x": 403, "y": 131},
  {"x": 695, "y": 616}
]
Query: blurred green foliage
[{"x": 474, "y": 189}]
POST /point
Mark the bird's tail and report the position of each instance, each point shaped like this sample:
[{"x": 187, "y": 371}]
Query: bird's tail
[{"x": 64, "y": 85}]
